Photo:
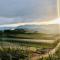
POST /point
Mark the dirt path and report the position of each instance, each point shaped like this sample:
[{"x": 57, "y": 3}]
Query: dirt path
[{"x": 47, "y": 54}]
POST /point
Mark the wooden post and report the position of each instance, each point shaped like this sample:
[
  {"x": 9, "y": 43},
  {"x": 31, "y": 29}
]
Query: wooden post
[{"x": 58, "y": 9}]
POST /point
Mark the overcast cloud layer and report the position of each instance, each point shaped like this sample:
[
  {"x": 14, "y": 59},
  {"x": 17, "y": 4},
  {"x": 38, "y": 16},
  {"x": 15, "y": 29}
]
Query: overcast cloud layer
[{"x": 26, "y": 9}]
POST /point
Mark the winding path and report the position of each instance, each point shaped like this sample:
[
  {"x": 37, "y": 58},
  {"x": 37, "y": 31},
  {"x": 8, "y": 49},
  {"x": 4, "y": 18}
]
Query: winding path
[{"x": 47, "y": 54}]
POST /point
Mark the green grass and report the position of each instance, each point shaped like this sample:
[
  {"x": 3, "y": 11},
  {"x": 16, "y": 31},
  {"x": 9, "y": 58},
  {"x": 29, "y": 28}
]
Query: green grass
[
  {"x": 8, "y": 53},
  {"x": 33, "y": 36},
  {"x": 29, "y": 44},
  {"x": 18, "y": 34},
  {"x": 28, "y": 36},
  {"x": 22, "y": 53},
  {"x": 25, "y": 54}
]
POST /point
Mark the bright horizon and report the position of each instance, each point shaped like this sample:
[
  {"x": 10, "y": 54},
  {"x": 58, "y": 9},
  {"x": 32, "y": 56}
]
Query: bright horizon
[{"x": 55, "y": 21}]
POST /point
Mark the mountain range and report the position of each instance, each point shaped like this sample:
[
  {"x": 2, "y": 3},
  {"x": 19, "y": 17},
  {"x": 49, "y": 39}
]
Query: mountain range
[{"x": 50, "y": 28}]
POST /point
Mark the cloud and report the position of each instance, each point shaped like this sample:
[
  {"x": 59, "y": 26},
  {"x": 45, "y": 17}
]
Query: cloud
[
  {"x": 26, "y": 10},
  {"x": 29, "y": 8},
  {"x": 4, "y": 20}
]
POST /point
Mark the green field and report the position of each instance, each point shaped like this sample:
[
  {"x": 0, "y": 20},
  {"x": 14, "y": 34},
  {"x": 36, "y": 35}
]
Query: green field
[
  {"x": 12, "y": 48},
  {"x": 32, "y": 36},
  {"x": 36, "y": 45},
  {"x": 23, "y": 35}
]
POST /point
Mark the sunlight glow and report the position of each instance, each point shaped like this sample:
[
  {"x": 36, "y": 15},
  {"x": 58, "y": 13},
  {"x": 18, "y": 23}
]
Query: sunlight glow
[{"x": 58, "y": 10}]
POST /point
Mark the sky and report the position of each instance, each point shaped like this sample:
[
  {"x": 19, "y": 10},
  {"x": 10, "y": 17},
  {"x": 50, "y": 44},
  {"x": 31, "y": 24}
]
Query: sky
[{"x": 26, "y": 10}]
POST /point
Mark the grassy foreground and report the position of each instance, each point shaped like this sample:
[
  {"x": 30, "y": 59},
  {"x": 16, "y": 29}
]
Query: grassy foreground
[{"x": 7, "y": 53}]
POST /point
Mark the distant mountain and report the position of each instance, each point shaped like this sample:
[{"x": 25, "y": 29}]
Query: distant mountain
[
  {"x": 7, "y": 28},
  {"x": 28, "y": 27},
  {"x": 51, "y": 28}
]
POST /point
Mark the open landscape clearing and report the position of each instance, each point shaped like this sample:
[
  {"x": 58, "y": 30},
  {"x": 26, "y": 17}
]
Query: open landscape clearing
[
  {"x": 23, "y": 35},
  {"x": 33, "y": 48},
  {"x": 29, "y": 29}
]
